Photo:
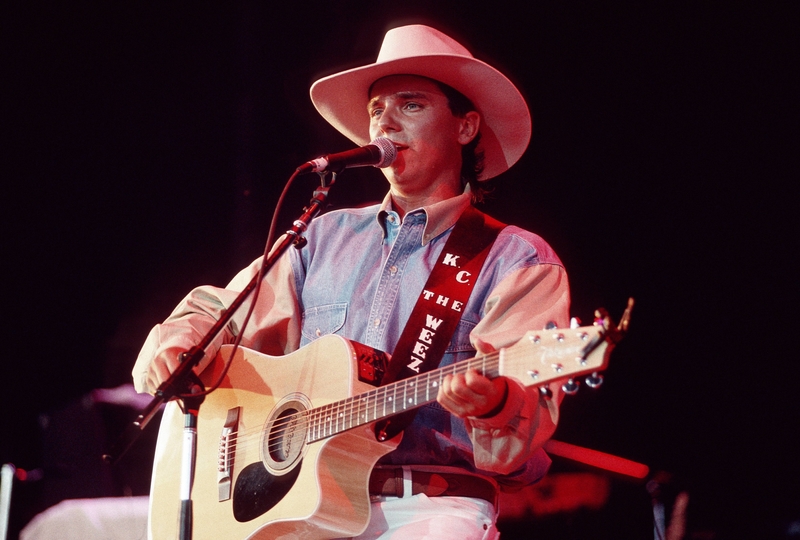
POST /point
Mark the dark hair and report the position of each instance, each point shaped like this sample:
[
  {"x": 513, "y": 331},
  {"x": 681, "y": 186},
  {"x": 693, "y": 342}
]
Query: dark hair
[{"x": 471, "y": 157}]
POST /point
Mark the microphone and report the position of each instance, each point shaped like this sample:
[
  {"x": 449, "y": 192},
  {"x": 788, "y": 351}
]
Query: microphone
[{"x": 381, "y": 152}]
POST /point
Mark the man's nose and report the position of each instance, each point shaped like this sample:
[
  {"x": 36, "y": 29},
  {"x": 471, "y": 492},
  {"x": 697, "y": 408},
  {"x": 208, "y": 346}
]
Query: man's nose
[{"x": 388, "y": 121}]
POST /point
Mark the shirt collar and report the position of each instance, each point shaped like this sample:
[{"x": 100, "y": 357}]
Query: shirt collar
[{"x": 440, "y": 216}]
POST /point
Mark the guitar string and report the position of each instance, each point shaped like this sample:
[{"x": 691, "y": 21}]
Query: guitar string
[
  {"x": 328, "y": 420},
  {"x": 416, "y": 390},
  {"x": 356, "y": 406},
  {"x": 328, "y": 417}
]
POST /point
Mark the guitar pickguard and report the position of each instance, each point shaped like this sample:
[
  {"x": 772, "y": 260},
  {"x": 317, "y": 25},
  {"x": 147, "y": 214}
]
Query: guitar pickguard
[{"x": 257, "y": 491}]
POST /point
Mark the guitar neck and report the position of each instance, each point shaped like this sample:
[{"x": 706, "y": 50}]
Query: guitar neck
[
  {"x": 535, "y": 360},
  {"x": 385, "y": 401}
]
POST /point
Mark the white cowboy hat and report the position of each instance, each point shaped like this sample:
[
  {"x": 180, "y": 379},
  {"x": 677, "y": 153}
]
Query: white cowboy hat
[{"x": 341, "y": 98}]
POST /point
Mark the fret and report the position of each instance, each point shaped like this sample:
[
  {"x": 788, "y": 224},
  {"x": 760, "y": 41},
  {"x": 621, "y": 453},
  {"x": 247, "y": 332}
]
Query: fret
[
  {"x": 374, "y": 397},
  {"x": 496, "y": 360},
  {"x": 340, "y": 420},
  {"x": 394, "y": 398},
  {"x": 354, "y": 412},
  {"x": 331, "y": 418},
  {"x": 363, "y": 405},
  {"x": 306, "y": 416},
  {"x": 357, "y": 412},
  {"x": 362, "y": 411},
  {"x": 325, "y": 420},
  {"x": 348, "y": 417},
  {"x": 382, "y": 391},
  {"x": 312, "y": 426},
  {"x": 321, "y": 422},
  {"x": 367, "y": 407}
]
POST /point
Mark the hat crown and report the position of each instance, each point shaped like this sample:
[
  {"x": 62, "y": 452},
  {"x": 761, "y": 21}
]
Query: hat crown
[{"x": 418, "y": 40}]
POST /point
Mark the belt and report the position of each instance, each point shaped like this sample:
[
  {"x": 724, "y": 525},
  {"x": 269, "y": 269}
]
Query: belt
[{"x": 433, "y": 483}]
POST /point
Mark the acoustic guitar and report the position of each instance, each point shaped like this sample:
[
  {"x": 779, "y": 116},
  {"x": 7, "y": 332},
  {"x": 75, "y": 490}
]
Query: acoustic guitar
[{"x": 285, "y": 445}]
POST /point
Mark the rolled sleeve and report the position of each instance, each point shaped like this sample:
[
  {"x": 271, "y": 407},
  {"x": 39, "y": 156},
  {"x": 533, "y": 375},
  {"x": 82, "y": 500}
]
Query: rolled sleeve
[
  {"x": 527, "y": 299},
  {"x": 274, "y": 326}
]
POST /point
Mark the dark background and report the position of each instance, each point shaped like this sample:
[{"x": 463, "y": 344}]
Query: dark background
[{"x": 144, "y": 145}]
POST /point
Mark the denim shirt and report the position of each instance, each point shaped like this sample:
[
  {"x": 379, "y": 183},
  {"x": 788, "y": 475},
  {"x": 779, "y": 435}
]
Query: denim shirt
[{"x": 359, "y": 276}]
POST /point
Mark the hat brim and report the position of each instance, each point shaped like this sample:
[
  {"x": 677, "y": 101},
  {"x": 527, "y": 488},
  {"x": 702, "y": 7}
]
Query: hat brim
[{"x": 342, "y": 98}]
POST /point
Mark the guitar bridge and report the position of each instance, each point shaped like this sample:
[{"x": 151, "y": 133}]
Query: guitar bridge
[{"x": 227, "y": 452}]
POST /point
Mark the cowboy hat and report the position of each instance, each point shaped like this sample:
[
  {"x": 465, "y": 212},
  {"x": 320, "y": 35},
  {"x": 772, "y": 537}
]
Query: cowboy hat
[{"x": 341, "y": 98}]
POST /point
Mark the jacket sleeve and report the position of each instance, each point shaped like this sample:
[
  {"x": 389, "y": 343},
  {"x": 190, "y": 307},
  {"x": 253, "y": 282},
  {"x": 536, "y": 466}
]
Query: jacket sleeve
[
  {"x": 274, "y": 326},
  {"x": 527, "y": 299}
]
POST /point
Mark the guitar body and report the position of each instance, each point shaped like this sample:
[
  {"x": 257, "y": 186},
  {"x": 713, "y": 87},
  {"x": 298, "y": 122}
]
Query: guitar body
[{"x": 300, "y": 490}]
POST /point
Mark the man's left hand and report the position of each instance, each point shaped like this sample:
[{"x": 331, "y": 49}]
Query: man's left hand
[{"x": 472, "y": 394}]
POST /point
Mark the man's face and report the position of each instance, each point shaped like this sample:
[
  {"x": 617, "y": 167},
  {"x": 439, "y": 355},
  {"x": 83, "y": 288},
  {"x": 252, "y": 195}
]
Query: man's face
[{"x": 414, "y": 113}]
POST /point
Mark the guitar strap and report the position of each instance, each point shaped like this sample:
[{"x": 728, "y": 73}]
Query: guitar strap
[{"x": 435, "y": 316}]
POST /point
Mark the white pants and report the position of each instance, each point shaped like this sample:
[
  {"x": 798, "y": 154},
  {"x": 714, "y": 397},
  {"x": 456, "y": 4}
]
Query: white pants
[{"x": 431, "y": 518}]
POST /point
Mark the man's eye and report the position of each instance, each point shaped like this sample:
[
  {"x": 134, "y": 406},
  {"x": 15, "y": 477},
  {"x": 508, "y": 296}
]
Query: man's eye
[
  {"x": 375, "y": 113},
  {"x": 413, "y": 106}
]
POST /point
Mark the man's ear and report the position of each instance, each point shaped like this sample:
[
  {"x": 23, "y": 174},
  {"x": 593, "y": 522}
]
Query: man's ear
[{"x": 470, "y": 125}]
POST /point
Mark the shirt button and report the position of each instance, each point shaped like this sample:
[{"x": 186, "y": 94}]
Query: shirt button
[
  {"x": 318, "y": 332},
  {"x": 377, "y": 322},
  {"x": 393, "y": 270}
]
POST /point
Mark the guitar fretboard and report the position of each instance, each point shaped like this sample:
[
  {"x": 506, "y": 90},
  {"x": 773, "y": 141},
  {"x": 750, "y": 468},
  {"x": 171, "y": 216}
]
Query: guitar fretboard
[{"x": 394, "y": 398}]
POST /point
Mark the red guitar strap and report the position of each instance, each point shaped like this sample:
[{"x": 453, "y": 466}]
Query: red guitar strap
[{"x": 435, "y": 316}]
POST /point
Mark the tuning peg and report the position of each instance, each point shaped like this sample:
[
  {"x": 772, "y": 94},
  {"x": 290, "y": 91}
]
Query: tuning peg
[
  {"x": 551, "y": 325},
  {"x": 570, "y": 387},
  {"x": 546, "y": 392},
  {"x": 594, "y": 380},
  {"x": 601, "y": 317},
  {"x": 574, "y": 323}
]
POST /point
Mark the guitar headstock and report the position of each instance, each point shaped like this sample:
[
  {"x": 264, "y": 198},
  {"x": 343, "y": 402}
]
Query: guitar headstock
[{"x": 565, "y": 353}]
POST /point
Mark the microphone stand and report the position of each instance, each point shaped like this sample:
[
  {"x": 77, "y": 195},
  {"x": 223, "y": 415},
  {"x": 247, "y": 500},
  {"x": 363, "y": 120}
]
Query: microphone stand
[{"x": 185, "y": 385}]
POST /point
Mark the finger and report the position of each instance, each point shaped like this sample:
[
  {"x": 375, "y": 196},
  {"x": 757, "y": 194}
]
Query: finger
[
  {"x": 459, "y": 389},
  {"x": 478, "y": 383},
  {"x": 458, "y": 398},
  {"x": 447, "y": 396}
]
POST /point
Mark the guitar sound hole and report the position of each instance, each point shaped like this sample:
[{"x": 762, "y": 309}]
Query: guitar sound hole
[{"x": 284, "y": 436}]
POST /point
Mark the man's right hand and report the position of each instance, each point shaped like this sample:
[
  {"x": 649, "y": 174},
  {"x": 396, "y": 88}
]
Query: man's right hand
[{"x": 162, "y": 366}]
